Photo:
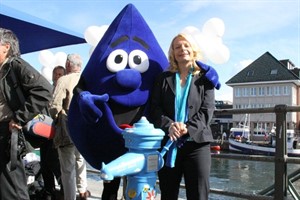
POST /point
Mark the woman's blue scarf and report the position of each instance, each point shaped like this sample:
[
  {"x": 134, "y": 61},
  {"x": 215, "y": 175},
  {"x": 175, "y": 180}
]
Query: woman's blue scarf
[{"x": 180, "y": 113}]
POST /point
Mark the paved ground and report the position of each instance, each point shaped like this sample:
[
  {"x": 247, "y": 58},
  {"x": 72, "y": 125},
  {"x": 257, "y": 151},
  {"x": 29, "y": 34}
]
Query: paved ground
[{"x": 96, "y": 187}]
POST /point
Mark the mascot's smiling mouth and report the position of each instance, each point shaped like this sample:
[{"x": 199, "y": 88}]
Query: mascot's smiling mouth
[
  {"x": 127, "y": 100},
  {"x": 125, "y": 115}
]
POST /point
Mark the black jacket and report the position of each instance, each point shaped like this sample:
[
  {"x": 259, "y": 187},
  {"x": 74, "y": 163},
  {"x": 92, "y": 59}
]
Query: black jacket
[
  {"x": 36, "y": 89},
  {"x": 201, "y": 105}
]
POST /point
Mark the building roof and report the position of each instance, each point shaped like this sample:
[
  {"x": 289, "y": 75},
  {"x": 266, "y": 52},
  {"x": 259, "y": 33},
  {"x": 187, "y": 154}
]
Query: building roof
[{"x": 264, "y": 69}]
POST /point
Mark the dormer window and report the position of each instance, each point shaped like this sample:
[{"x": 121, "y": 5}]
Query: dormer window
[
  {"x": 250, "y": 73},
  {"x": 273, "y": 71}
]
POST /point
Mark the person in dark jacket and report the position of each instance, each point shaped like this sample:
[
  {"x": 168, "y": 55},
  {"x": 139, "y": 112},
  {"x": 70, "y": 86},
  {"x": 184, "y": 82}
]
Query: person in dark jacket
[
  {"x": 15, "y": 112},
  {"x": 50, "y": 164},
  {"x": 182, "y": 104}
]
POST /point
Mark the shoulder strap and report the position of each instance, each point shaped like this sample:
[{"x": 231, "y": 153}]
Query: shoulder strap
[
  {"x": 12, "y": 164},
  {"x": 15, "y": 133},
  {"x": 16, "y": 85}
]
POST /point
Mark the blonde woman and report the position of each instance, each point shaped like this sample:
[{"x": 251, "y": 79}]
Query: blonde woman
[{"x": 182, "y": 104}]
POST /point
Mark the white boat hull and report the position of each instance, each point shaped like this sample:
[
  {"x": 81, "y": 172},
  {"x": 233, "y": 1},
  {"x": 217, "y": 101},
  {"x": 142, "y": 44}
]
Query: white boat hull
[{"x": 250, "y": 148}]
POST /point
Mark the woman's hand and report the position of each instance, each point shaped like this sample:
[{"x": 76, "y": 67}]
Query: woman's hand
[{"x": 176, "y": 130}]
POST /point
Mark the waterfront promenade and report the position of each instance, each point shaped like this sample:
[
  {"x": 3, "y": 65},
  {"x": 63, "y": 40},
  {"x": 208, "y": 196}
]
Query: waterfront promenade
[{"x": 96, "y": 187}]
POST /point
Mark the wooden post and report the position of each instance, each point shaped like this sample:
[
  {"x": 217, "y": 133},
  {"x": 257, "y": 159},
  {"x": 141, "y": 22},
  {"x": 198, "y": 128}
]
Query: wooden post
[{"x": 281, "y": 182}]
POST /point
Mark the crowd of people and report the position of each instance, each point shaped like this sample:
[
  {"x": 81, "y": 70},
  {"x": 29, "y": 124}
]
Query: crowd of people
[{"x": 181, "y": 104}]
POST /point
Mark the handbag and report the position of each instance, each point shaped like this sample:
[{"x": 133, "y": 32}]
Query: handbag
[
  {"x": 41, "y": 126},
  {"x": 18, "y": 147}
]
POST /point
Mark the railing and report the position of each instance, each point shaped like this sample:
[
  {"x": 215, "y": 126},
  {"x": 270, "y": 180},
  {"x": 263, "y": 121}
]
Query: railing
[{"x": 283, "y": 183}]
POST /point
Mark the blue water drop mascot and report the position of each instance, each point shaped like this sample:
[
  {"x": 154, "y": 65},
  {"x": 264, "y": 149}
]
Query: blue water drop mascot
[{"x": 114, "y": 89}]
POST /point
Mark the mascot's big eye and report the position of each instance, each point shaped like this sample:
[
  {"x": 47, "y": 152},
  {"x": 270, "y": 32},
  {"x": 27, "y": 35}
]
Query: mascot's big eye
[
  {"x": 117, "y": 60},
  {"x": 138, "y": 60}
]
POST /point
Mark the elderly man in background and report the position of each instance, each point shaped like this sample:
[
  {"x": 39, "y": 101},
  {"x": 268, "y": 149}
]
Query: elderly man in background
[{"x": 73, "y": 166}]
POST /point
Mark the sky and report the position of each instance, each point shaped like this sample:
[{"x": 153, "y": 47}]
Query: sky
[{"x": 251, "y": 27}]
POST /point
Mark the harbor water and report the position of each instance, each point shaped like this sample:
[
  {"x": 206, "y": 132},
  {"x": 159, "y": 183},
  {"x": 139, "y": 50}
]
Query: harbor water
[
  {"x": 239, "y": 176},
  {"x": 243, "y": 176}
]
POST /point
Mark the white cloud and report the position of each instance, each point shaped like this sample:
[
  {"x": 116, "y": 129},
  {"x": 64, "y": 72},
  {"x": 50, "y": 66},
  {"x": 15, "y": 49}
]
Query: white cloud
[
  {"x": 240, "y": 66},
  {"x": 260, "y": 17},
  {"x": 244, "y": 63}
]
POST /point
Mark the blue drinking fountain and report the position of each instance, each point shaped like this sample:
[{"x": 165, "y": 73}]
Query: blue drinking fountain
[{"x": 141, "y": 163}]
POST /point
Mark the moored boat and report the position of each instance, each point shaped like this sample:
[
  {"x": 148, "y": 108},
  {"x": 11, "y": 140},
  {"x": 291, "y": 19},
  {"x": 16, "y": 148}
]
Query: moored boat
[{"x": 242, "y": 145}]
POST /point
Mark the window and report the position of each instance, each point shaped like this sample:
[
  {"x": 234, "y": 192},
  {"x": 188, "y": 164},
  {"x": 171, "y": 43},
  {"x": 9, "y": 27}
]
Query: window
[
  {"x": 269, "y": 91},
  {"x": 237, "y": 92},
  {"x": 245, "y": 92},
  {"x": 253, "y": 91},
  {"x": 261, "y": 91},
  {"x": 273, "y": 71},
  {"x": 250, "y": 73},
  {"x": 261, "y": 105},
  {"x": 237, "y": 106},
  {"x": 285, "y": 90},
  {"x": 276, "y": 90}
]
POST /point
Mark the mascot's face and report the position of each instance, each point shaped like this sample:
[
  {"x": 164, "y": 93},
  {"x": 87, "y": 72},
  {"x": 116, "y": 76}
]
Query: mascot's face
[
  {"x": 126, "y": 74},
  {"x": 125, "y": 62}
]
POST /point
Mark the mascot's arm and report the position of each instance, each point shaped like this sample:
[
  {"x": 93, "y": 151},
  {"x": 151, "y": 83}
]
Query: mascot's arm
[
  {"x": 88, "y": 102},
  {"x": 211, "y": 74}
]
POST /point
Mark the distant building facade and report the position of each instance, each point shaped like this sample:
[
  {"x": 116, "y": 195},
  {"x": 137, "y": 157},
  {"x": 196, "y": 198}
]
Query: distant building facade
[
  {"x": 266, "y": 82},
  {"x": 221, "y": 123}
]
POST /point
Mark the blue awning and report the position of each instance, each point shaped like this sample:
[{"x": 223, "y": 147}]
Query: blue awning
[{"x": 35, "y": 34}]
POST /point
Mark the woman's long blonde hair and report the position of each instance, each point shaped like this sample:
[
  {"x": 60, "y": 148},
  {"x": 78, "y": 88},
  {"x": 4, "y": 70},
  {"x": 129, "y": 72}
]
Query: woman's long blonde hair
[{"x": 173, "y": 65}]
